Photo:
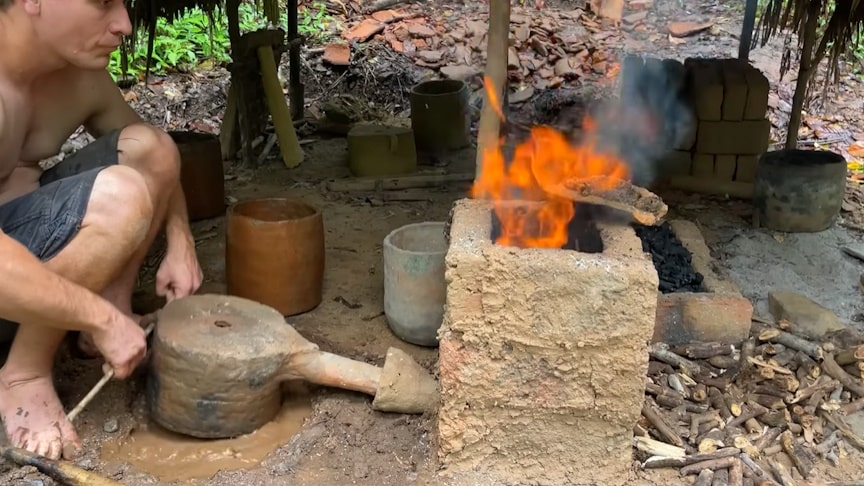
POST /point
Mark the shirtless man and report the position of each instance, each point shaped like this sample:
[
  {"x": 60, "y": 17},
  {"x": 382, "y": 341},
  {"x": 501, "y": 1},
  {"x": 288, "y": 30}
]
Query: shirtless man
[{"x": 73, "y": 238}]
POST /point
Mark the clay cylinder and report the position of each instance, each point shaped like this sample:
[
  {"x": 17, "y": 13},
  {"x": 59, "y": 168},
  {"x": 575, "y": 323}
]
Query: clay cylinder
[
  {"x": 439, "y": 115},
  {"x": 201, "y": 174},
  {"x": 799, "y": 191},
  {"x": 274, "y": 253},
  {"x": 414, "y": 285}
]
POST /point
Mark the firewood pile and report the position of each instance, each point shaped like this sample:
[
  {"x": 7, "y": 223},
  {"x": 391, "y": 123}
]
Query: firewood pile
[{"x": 751, "y": 414}]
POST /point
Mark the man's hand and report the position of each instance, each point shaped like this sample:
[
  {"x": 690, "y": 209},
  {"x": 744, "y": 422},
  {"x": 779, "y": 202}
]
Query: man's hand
[
  {"x": 179, "y": 273},
  {"x": 122, "y": 344}
]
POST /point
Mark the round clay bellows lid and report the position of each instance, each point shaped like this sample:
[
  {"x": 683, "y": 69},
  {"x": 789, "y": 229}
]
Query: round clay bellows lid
[{"x": 222, "y": 325}]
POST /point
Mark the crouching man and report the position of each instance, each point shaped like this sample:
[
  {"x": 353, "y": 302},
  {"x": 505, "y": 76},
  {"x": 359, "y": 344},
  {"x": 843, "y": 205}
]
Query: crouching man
[{"x": 73, "y": 238}]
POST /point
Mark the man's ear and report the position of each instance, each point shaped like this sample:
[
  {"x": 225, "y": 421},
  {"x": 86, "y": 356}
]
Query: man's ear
[{"x": 33, "y": 7}]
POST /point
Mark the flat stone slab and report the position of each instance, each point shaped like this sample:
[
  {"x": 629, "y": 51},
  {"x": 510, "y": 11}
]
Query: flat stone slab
[{"x": 807, "y": 317}]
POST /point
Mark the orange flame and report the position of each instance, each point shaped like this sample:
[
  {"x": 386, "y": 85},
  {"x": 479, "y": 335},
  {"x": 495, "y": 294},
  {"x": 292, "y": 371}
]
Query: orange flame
[{"x": 546, "y": 159}]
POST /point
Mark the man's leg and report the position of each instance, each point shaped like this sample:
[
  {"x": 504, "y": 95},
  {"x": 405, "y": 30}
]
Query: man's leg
[
  {"x": 153, "y": 154},
  {"x": 84, "y": 227}
]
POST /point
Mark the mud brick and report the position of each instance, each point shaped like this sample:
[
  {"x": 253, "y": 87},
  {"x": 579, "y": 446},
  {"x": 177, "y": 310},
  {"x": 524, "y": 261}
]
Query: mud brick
[
  {"x": 746, "y": 171},
  {"x": 757, "y": 94},
  {"x": 720, "y": 314},
  {"x": 706, "y": 88},
  {"x": 703, "y": 165},
  {"x": 734, "y": 89},
  {"x": 676, "y": 162},
  {"x": 540, "y": 348},
  {"x": 748, "y": 137},
  {"x": 724, "y": 167}
]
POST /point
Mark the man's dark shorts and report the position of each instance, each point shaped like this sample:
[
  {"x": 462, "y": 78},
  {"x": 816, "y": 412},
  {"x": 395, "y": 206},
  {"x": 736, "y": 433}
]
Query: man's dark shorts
[{"x": 47, "y": 219}]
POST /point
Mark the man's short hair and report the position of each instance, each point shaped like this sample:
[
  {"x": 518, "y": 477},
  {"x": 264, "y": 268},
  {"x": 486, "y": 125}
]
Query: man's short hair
[{"x": 4, "y": 4}]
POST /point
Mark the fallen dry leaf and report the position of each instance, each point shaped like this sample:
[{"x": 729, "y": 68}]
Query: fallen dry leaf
[{"x": 856, "y": 149}]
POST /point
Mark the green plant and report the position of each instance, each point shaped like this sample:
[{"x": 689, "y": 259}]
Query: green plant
[{"x": 191, "y": 40}]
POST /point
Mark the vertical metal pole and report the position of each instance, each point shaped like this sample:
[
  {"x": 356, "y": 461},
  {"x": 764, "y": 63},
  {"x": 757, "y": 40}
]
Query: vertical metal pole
[
  {"x": 747, "y": 30},
  {"x": 295, "y": 87}
]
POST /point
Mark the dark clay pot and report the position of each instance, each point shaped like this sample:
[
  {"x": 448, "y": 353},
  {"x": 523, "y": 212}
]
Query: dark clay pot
[
  {"x": 274, "y": 253},
  {"x": 201, "y": 174},
  {"x": 798, "y": 191},
  {"x": 439, "y": 115}
]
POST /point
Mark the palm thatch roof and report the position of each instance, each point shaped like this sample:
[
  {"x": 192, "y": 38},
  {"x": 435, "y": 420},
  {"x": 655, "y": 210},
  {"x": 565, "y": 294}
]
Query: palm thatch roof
[
  {"x": 145, "y": 13},
  {"x": 838, "y": 27}
]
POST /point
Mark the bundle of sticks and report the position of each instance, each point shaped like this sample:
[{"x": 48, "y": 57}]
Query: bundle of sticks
[{"x": 751, "y": 414}]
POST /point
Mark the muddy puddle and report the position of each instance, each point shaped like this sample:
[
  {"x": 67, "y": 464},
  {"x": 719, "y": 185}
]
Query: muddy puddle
[{"x": 175, "y": 457}]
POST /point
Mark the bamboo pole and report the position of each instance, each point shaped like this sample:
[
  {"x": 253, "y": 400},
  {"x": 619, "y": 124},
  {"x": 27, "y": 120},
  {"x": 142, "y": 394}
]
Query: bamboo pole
[{"x": 289, "y": 145}]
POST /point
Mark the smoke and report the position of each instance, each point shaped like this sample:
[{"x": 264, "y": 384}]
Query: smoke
[{"x": 651, "y": 117}]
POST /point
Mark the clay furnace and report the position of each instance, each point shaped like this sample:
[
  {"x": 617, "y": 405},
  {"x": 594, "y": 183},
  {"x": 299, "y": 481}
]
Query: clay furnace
[{"x": 543, "y": 355}]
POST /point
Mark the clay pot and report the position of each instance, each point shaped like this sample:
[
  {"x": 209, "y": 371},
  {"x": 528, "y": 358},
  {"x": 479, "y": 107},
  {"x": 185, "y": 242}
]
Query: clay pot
[
  {"x": 799, "y": 191},
  {"x": 439, "y": 115},
  {"x": 201, "y": 174},
  {"x": 274, "y": 253},
  {"x": 414, "y": 286}
]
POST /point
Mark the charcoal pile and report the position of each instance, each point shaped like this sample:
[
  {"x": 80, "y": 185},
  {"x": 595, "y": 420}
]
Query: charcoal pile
[
  {"x": 759, "y": 413},
  {"x": 673, "y": 262}
]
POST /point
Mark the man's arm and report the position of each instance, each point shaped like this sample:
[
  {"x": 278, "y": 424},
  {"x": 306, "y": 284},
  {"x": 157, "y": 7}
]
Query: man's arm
[
  {"x": 112, "y": 112},
  {"x": 31, "y": 293}
]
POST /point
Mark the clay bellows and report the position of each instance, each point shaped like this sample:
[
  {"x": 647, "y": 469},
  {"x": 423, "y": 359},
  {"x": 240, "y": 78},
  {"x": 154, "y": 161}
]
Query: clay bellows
[{"x": 646, "y": 207}]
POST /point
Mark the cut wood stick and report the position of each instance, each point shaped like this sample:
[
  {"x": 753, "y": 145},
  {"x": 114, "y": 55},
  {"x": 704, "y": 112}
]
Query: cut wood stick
[
  {"x": 736, "y": 473},
  {"x": 713, "y": 464},
  {"x": 703, "y": 350},
  {"x": 660, "y": 352},
  {"x": 107, "y": 375},
  {"x": 659, "y": 423},
  {"x": 62, "y": 472},
  {"x": 835, "y": 371},
  {"x": 790, "y": 340},
  {"x": 677, "y": 462},
  {"x": 780, "y": 472},
  {"x": 844, "y": 429},
  {"x": 777, "y": 369},
  {"x": 657, "y": 448},
  {"x": 820, "y": 386},
  {"x": 852, "y": 407},
  {"x": 643, "y": 205},
  {"x": 850, "y": 356},
  {"x": 705, "y": 478},
  {"x": 801, "y": 457},
  {"x": 754, "y": 410}
]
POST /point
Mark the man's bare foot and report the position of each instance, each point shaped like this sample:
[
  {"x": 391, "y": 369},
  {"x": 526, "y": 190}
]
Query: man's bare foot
[
  {"x": 34, "y": 418},
  {"x": 88, "y": 349}
]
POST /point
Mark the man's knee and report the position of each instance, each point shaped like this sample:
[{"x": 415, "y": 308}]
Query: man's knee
[
  {"x": 121, "y": 202},
  {"x": 150, "y": 150}
]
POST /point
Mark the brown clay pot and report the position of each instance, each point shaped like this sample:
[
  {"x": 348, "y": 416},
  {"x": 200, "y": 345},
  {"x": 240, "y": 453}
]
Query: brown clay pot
[
  {"x": 201, "y": 174},
  {"x": 274, "y": 253}
]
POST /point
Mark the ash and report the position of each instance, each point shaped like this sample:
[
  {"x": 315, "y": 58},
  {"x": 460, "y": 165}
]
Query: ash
[{"x": 672, "y": 261}]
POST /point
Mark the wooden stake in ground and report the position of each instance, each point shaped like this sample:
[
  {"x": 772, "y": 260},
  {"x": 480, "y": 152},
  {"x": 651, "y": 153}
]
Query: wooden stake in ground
[
  {"x": 489, "y": 128},
  {"x": 289, "y": 145}
]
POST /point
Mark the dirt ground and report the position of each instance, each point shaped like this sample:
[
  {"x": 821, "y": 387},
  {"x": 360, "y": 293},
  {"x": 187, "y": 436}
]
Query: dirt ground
[{"x": 330, "y": 437}]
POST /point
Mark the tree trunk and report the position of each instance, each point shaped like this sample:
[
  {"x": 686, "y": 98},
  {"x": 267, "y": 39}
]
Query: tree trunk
[
  {"x": 805, "y": 72},
  {"x": 747, "y": 30}
]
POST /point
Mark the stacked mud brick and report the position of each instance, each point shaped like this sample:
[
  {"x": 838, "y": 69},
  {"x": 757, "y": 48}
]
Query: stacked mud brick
[{"x": 716, "y": 138}]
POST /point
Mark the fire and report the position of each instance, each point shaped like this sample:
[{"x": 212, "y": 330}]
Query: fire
[{"x": 547, "y": 158}]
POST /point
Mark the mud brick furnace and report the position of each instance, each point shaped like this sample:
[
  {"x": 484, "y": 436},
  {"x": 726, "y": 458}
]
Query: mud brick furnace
[
  {"x": 725, "y": 131},
  {"x": 543, "y": 354}
]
